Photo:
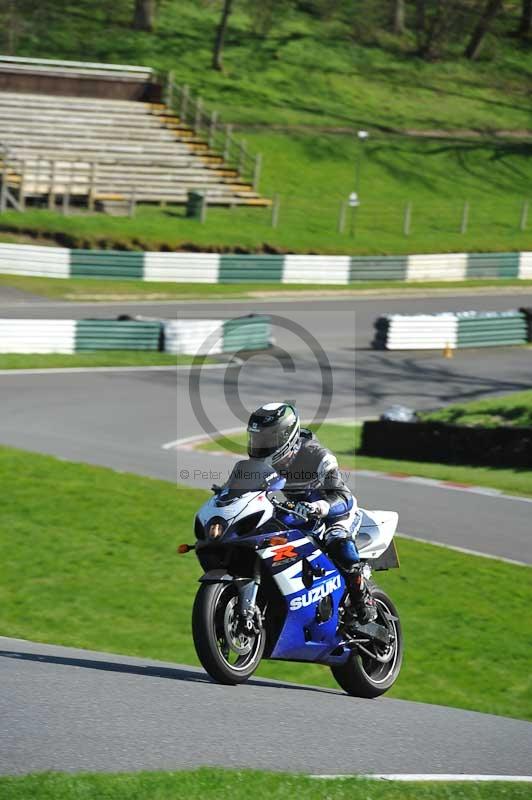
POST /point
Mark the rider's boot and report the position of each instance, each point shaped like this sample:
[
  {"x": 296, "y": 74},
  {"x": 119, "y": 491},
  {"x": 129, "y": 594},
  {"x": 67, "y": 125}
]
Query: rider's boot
[{"x": 362, "y": 601}]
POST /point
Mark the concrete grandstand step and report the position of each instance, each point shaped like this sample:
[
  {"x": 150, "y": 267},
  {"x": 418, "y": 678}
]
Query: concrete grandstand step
[
  {"x": 82, "y": 146},
  {"x": 67, "y": 102}
]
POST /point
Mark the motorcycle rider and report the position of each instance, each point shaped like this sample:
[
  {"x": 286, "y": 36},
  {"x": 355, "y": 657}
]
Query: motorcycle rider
[{"x": 314, "y": 482}]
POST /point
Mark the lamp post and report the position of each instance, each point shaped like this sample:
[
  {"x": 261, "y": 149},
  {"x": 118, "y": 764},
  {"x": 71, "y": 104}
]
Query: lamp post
[{"x": 354, "y": 197}]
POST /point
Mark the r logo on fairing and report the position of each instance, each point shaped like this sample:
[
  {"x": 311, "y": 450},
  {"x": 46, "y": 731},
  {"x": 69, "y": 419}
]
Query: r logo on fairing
[{"x": 316, "y": 594}]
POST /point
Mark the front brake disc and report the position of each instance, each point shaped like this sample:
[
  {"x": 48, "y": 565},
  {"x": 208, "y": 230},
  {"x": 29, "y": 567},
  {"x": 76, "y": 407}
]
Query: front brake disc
[{"x": 238, "y": 642}]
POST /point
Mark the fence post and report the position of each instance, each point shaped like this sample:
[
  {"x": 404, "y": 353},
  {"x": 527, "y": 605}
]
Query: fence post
[
  {"x": 197, "y": 118},
  {"x": 524, "y": 216},
  {"x": 66, "y": 192},
  {"x": 3, "y": 187},
  {"x": 275, "y": 210},
  {"x": 169, "y": 90},
  {"x": 212, "y": 128},
  {"x": 132, "y": 202},
  {"x": 37, "y": 176},
  {"x": 465, "y": 217},
  {"x": 242, "y": 157},
  {"x": 22, "y": 187},
  {"x": 92, "y": 186},
  {"x": 184, "y": 103},
  {"x": 227, "y": 144},
  {"x": 203, "y": 210},
  {"x": 341, "y": 216},
  {"x": 257, "y": 171},
  {"x": 407, "y": 218},
  {"x": 51, "y": 193}
]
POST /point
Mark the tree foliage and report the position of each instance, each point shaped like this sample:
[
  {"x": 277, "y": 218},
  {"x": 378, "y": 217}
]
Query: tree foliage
[{"x": 431, "y": 29}]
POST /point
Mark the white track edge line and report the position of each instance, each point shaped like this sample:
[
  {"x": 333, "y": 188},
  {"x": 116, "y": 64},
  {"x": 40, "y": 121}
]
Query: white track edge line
[
  {"x": 430, "y": 777},
  {"x": 465, "y": 550},
  {"x": 155, "y": 368}
]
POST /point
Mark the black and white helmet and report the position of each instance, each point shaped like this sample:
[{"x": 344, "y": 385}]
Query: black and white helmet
[{"x": 273, "y": 432}]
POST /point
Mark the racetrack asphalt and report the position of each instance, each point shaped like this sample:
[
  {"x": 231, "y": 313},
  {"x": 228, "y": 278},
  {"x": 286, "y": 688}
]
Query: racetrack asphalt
[
  {"x": 75, "y": 710},
  {"x": 326, "y": 317},
  {"x": 122, "y": 419}
]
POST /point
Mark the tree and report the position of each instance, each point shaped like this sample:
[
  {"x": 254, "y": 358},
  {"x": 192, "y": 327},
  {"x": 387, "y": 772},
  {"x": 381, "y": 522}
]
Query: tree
[
  {"x": 144, "y": 15},
  {"x": 435, "y": 20},
  {"x": 398, "y": 17},
  {"x": 525, "y": 24},
  {"x": 217, "y": 56},
  {"x": 491, "y": 9}
]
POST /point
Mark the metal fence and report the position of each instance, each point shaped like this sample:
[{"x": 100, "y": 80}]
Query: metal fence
[{"x": 219, "y": 137}]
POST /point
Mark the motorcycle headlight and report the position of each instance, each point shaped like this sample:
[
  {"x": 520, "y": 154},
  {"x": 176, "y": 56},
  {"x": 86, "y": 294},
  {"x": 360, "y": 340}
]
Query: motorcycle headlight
[{"x": 216, "y": 528}]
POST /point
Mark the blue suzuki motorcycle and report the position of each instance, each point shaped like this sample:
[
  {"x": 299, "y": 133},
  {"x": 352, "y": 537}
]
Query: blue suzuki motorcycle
[{"x": 269, "y": 591}]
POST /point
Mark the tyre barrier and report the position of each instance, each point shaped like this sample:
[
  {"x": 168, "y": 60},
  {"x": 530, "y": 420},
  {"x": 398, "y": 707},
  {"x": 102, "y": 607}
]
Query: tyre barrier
[
  {"x": 452, "y": 330},
  {"x": 216, "y": 268},
  {"x": 211, "y": 337},
  {"x": 445, "y": 443},
  {"x": 187, "y": 337}
]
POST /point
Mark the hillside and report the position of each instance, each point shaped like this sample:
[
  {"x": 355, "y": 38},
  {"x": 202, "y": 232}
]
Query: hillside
[
  {"x": 442, "y": 133},
  {"x": 303, "y": 70}
]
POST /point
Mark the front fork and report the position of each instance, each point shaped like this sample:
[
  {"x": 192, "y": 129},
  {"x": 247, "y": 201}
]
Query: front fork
[{"x": 249, "y": 612}]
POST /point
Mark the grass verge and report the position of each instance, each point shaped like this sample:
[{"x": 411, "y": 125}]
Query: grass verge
[
  {"x": 104, "y": 358},
  {"x": 95, "y": 290},
  {"x": 344, "y": 441},
  {"x": 240, "y": 785},
  {"x": 85, "y": 543},
  {"x": 514, "y": 409}
]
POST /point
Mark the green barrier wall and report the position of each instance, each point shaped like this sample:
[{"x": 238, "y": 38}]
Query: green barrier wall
[
  {"x": 117, "y": 335},
  {"x": 250, "y": 269},
  {"x": 492, "y": 329},
  {"x": 106, "y": 264},
  {"x": 380, "y": 268},
  {"x": 244, "y": 334},
  {"x": 492, "y": 265}
]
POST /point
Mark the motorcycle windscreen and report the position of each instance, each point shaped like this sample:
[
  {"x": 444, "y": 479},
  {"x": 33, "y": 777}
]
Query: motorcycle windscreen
[{"x": 250, "y": 475}]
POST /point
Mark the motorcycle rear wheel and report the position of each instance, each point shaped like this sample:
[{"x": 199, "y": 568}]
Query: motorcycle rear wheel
[
  {"x": 229, "y": 658},
  {"x": 363, "y": 676}
]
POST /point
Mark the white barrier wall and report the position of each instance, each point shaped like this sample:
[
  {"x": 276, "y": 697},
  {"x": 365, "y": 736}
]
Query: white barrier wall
[
  {"x": 437, "y": 267},
  {"x": 34, "y": 261},
  {"x": 316, "y": 269},
  {"x": 37, "y": 335},
  {"x": 525, "y": 266},
  {"x": 194, "y": 336},
  {"x": 422, "y": 332},
  {"x": 182, "y": 267}
]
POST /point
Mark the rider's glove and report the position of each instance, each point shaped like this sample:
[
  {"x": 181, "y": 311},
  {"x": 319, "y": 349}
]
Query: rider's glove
[{"x": 320, "y": 507}]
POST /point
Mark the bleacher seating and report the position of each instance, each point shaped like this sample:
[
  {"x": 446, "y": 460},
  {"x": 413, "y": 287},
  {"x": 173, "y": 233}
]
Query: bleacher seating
[{"x": 97, "y": 149}]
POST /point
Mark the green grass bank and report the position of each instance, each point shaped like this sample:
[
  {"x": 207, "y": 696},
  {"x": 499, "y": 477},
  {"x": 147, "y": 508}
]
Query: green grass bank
[
  {"x": 240, "y": 785},
  {"x": 302, "y": 68},
  {"x": 108, "y": 358},
  {"x": 95, "y": 290},
  {"x": 85, "y": 543},
  {"x": 313, "y": 173},
  {"x": 297, "y": 87}
]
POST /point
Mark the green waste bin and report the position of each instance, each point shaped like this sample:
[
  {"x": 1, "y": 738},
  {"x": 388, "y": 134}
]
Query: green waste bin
[{"x": 194, "y": 204}]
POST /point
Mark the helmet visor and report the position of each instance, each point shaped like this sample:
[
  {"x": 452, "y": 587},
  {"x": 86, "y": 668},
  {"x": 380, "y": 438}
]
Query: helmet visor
[{"x": 264, "y": 443}]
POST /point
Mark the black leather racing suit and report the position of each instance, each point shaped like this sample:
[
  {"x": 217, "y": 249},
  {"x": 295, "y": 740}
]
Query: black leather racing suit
[{"x": 312, "y": 475}]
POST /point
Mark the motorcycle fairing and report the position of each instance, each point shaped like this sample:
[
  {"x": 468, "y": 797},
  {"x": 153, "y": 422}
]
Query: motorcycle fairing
[
  {"x": 375, "y": 533},
  {"x": 303, "y": 637},
  {"x": 241, "y": 506}
]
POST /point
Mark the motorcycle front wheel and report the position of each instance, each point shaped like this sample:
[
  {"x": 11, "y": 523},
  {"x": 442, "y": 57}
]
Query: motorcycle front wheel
[
  {"x": 373, "y": 669},
  {"x": 228, "y": 655}
]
